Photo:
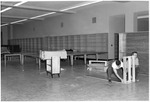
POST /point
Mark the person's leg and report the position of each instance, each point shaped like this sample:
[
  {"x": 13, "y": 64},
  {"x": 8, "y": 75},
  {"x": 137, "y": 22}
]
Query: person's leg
[
  {"x": 109, "y": 73},
  {"x": 120, "y": 72},
  {"x": 137, "y": 69}
]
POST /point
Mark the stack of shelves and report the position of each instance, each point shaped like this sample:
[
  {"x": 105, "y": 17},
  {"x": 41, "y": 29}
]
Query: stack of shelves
[
  {"x": 49, "y": 43},
  {"x": 60, "y": 43},
  {"x": 85, "y": 42},
  {"x": 65, "y": 42},
  {"x": 77, "y": 42},
  {"x": 91, "y": 42}
]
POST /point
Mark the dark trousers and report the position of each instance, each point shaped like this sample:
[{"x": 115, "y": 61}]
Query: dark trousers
[
  {"x": 137, "y": 69},
  {"x": 110, "y": 72}
]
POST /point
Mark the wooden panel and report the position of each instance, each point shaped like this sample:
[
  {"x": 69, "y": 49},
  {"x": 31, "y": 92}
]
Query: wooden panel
[
  {"x": 49, "y": 43},
  {"x": 77, "y": 42},
  {"x": 44, "y": 43},
  {"x": 65, "y": 42},
  {"x": 86, "y": 42},
  {"x": 139, "y": 42},
  {"x": 91, "y": 42},
  {"x": 52, "y": 43},
  {"x": 116, "y": 46},
  {"x": 83, "y": 43},
  {"x": 71, "y": 42},
  {"x": 101, "y": 42},
  {"x": 31, "y": 44}
]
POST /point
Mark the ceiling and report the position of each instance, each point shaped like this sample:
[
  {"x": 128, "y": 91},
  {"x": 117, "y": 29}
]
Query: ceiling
[
  {"x": 29, "y": 10},
  {"x": 20, "y": 12}
]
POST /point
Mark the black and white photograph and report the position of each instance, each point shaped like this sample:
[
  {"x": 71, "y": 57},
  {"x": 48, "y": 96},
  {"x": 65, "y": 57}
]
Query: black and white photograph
[{"x": 74, "y": 50}]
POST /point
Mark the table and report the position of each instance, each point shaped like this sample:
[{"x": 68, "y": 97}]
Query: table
[
  {"x": 34, "y": 55},
  {"x": 22, "y": 56},
  {"x": 11, "y": 55},
  {"x": 38, "y": 59},
  {"x": 72, "y": 54}
]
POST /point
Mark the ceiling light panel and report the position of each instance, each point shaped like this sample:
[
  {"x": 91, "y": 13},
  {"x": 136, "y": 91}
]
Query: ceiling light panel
[
  {"x": 23, "y": 12},
  {"x": 8, "y": 20},
  {"x": 3, "y": 9},
  {"x": 53, "y": 4},
  {"x": 47, "y": 5},
  {"x": 10, "y": 3}
]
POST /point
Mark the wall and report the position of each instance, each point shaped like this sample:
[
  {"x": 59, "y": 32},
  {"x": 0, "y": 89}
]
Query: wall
[
  {"x": 4, "y": 35},
  {"x": 7, "y": 32}
]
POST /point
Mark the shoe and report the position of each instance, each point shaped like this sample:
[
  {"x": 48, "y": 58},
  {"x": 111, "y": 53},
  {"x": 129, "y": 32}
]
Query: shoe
[{"x": 109, "y": 81}]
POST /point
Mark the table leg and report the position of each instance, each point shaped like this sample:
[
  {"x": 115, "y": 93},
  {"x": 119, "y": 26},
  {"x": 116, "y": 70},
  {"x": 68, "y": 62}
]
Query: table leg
[
  {"x": 39, "y": 64},
  {"x": 36, "y": 59},
  {"x": 22, "y": 59},
  {"x": 96, "y": 56},
  {"x": 84, "y": 58},
  {"x": 5, "y": 59},
  {"x": 71, "y": 58}
]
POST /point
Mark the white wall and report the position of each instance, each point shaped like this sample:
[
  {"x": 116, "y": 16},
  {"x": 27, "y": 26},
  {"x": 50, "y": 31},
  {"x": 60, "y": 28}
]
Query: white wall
[{"x": 4, "y": 36}]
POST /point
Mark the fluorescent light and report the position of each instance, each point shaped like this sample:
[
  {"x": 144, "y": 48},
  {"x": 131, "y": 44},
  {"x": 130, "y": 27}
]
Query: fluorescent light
[
  {"x": 77, "y": 6},
  {"x": 145, "y": 16},
  {"x": 4, "y": 24},
  {"x": 20, "y": 3},
  {"x": 81, "y": 5},
  {"x": 5, "y": 9},
  {"x": 42, "y": 15},
  {"x": 18, "y": 21}
]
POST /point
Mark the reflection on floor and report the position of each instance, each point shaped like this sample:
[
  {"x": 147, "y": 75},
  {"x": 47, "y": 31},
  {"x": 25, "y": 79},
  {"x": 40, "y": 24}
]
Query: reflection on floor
[{"x": 26, "y": 83}]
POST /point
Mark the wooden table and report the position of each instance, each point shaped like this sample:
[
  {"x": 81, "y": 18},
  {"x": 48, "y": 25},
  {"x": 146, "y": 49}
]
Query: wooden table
[
  {"x": 84, "y": 54},
  {"x": 34, "y": 55},
  {"x": 12, "y": 55},
  {"x": 70, "y": 54},
  {"x": 38, "y": 59}
]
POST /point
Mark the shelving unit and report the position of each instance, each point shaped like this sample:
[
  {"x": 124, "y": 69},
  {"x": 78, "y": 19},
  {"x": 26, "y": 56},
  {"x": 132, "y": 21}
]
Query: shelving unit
[{"x": 86, "y": 42}]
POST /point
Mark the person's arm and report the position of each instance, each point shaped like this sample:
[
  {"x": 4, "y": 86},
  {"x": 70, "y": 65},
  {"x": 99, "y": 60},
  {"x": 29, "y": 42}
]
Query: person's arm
[{"x": 115, "y": 71}]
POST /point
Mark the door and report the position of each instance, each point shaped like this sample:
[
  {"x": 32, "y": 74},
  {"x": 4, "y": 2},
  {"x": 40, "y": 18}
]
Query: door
[{"x": 116, "y": 25}]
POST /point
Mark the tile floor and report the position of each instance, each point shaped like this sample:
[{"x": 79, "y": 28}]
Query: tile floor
[{"x": 26, "y": 83}]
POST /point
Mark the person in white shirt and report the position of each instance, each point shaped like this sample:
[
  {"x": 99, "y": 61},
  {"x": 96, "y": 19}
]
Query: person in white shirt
[
  {"x": 116, "y": 67},
  {"x": 137, "y": 68}
]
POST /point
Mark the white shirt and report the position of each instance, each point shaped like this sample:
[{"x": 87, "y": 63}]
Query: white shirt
[
  {"x": 115, "y": 66},
  {"x": 136, "y": 62}
]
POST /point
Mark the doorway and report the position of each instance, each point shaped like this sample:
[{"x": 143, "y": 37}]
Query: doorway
[{"x": 116, "y": 25}]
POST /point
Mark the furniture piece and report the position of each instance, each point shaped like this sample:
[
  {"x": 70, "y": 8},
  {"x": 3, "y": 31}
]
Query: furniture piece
[
  {"x": 39, "y": 56},
  {"x": 53, "y": 60},
  {"x": 4, "y": 50},
  {"x": 72, "y": 54},
  {"x": 13, "y": 55},
  {"x": 97, "y": 64},
  {"x": 12, "y": 48}
]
